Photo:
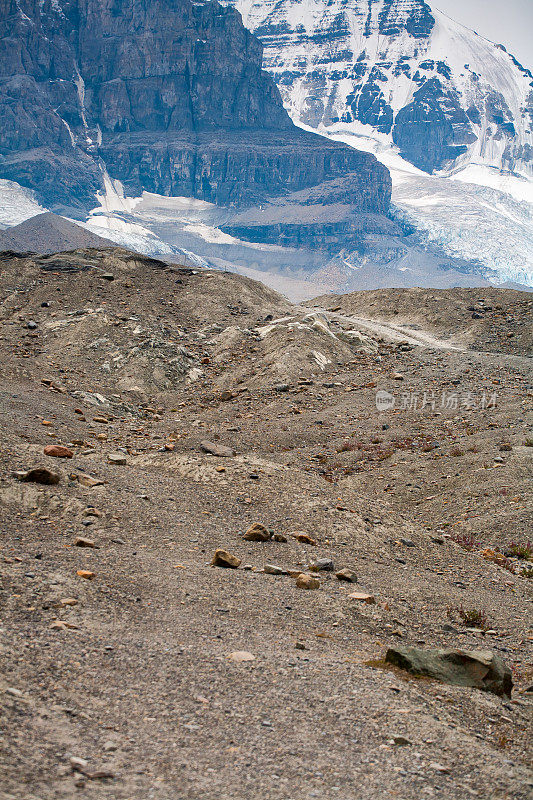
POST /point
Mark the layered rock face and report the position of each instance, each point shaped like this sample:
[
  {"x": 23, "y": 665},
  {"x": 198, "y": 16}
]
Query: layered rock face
[
  {"x": 168, "y": 97},
  {"x": 444, "y": 95}
]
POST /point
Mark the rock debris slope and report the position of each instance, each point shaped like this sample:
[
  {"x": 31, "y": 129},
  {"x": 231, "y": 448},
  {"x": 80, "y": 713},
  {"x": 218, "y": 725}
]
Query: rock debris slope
[{"x": 179, "y": 614}]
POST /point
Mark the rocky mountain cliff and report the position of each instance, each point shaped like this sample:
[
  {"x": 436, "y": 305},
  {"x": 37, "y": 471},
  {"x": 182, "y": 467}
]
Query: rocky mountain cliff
[
  {"x": 165, "y": 96},
  {"x": 399, "y": 68}
]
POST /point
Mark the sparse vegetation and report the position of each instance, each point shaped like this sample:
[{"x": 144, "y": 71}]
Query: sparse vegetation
[
  {"x": 522, "y": 550},
  {"x": 470, "y": 617},
  {"x": 467, "y": 541}
]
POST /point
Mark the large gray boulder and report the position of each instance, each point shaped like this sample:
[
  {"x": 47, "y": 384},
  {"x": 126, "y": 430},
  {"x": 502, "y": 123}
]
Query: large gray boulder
[{"x": 480, "y": 669}]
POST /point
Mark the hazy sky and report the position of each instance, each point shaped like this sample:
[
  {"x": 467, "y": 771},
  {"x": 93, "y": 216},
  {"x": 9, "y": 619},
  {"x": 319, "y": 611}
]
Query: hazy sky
[{"x": 507, "y": 22}]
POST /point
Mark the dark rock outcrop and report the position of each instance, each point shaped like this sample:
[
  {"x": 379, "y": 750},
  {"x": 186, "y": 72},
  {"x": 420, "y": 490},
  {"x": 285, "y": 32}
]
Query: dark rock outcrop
[
  {"x": 166, "y": 96},
  {"x": 479, "y": 669}
]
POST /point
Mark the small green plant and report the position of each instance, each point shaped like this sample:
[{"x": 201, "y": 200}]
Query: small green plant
[
  {"x": 470, "y": 617},
  {"x": 522, "y": 550}
]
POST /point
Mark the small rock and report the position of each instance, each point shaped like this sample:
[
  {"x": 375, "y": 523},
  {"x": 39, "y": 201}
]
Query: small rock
[
  {"x": 218, "y": 450},
  {"x": 81, "y": 542},
  {"x": 39, "y": 475},
  {"x": 363, "y": 597},
  {"x": 101, "y": 420},
  {"x": 78, "y": 763},
  {"x": 304, "y": 581},
  {"x": 400, "y": 741},
  {"x": 346, "y": 575},
  {"x": 281, "y": 387},
  {"x": 222, "y": 558},
  {"x": 304, "y": 538},
  {"x": 110, "y": 746},
  {"x": 272, "y": 569},
  {"x": 322, "y": 565},
  {"x": 169, "y": 446},
  {"x": 58, "y": 451},
  {"x": 279, "y": 537},
  {"x": 397, "y": 377},
  {"x": 117, "y": 458},
  {"x": 439, "y": 767},
  {"x": 240, "y": 656},
  {"x": 31, "y": 325},
  {"x": 86, "y": 480},
  {"x": 257, "y": 533},
  {"x": 86, "y": 573}
]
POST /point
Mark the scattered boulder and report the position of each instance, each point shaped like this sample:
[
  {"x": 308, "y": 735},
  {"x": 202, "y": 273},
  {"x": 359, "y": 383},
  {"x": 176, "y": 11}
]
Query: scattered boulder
[
  {"x": 218, "y": 450},
  {"x": 346, "y": 575},
  {"x": 86, "y": 573},
  {"x": 222, "y": 558},
  {"x": 58, "y": 451},
  {"x": 304, "y": 581},
  {"x": 323, "y": 565},
  {"x": 117, "y": 458},
  {"x": 363, "y": 597},
  {"x": 272, "y": 569},
  {"x": 241, "y": 656},
  {"x": 257, "y": 533},
  {"x": 304, "y": 538},
  {"x": 480, "y": 669},
  {"x": 39, "y": 475}
]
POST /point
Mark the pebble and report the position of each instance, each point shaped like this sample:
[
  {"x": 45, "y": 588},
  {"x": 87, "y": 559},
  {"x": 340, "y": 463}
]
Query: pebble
[
  {"x": 218, "y": 450},
  {"x": 86, "y": 573},
  {"x": 117, "y": 458},
  {"x": 346, "y": 575},
  {"x": 257, "y": 533},
  {"x": 78, "y": 763},
  {"x": 101, "y": 420},
  {"x": 322, "y": 565},
  {"x": 362, "y": 597},
  {"x": 109, "y": 746},
  {"x": 272, "y": 569},
  {"x": 439, "y": 768},
  {"x": 38, "y": 475},
  {"x": 279, "y": 537},
  {"x": 400, "y": 741},
  {"x": 240, "y": 656},
  {"x": 304, "y": 581},
  {"x": 58, "y": 451},
  {"x": 81, "y": 542},
  {"x": 304, "y": 538},
  {"x": 222, "y": 558}
]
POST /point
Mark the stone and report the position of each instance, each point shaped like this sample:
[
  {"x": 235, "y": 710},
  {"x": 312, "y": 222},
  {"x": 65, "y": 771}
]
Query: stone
[
  {"x": 81, "y": 542},
  {"x": 480, "y": 669},
  {"x": 241, "y": 656},
  {"x": 322, "y": 565},
  {"x": 222, "y": 558},
  {"x": 31, "y": 325},
  {"x": 78, "y": 763},
  {"x": 218, "y": 450},
  {"x": 304, "y": 538},
  {"x": 107, "y": 276},
  {"x": 101, "y": 420},
  {"x": 86, "y": 573},
  {"x": 401, "y": 741},
  {"x": 257, "y": 533},
  {"x": 282, "y": 387},
  {"x": 117, "y": 458},
  {"x": 87, "y": 480},
  {"x": 58, "y": 451},
  {"x": 304, "y": 581},
  {"x": 110, "y": 746},
  {"x": 363, "y": 597},
  {"x": 39, "y": 475},
  {"x": 439, "y": 768},
  {"x": 397, "y": 376},
  {"x": 272, "y": 569},
  {"x": 279, "y": 537},
  {"x": 346, "y": 574}
]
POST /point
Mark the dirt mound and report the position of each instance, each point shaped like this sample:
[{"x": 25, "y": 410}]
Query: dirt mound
[
  {"x": 497, "y": 320},
  {"x": 48, "y": 233}
]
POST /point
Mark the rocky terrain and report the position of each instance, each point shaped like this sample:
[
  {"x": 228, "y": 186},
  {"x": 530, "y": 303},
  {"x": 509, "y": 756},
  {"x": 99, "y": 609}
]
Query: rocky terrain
[
  {"x": 176, "y": 104},
  {"x": 154, "y": 414},
  {"x": 48, "y": 233}
]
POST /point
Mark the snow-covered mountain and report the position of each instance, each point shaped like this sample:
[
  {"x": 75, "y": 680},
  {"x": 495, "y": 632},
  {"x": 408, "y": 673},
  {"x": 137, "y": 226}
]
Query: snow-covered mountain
[{"x": 443, "y": 95}]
